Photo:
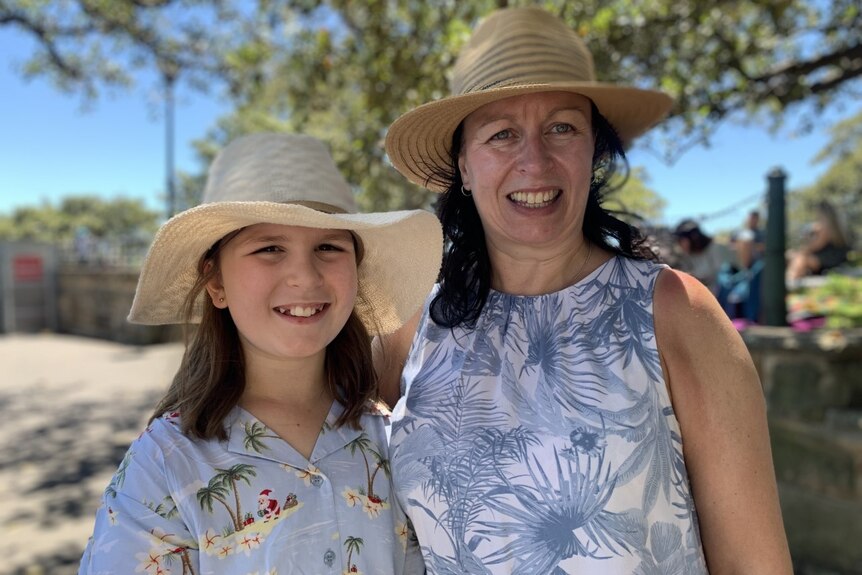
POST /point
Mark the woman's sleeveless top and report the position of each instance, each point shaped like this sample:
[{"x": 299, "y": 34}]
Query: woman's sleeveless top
[{"x": 543, "y": 440}]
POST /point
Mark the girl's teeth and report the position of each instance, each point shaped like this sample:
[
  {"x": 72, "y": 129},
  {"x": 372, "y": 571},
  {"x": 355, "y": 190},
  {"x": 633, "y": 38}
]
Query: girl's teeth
[{"x": 299, "y": 311}]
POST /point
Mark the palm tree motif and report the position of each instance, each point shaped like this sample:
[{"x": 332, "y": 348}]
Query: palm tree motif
[
  {"x": 352, "y": 544},
  {"x": 167, "y": 508},
  {"x": 555, "y": 523},
  {"x": 229, "y": 478},
  {"x": 185, "y": 560},
  {"x": 120, "y": 476},
  {"x": 255, "y": 433},
  {"x": 216, "y": 491},
  {"x": 365, "y": 445},
  {"x": 169, "y": 550}
]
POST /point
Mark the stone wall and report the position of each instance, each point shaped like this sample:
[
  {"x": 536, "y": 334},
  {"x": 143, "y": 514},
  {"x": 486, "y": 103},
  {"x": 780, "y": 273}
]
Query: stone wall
[
  {"x": 813, "y": 387},
  {"x": 94, "y": 302}
]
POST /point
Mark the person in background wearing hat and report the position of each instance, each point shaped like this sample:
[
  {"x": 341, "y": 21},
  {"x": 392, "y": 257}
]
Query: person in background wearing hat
[
  {"x": 702, "y": 257},
  {"x": 568, "y": 405},
  {"x": 268, "y": 452}
]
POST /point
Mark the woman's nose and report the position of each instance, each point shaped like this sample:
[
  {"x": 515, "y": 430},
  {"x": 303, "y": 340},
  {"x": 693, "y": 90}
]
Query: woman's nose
[{"x": 534, "y": 155}]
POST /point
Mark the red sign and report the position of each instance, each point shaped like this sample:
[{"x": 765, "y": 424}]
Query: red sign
[{"x": 27, "y": 268}]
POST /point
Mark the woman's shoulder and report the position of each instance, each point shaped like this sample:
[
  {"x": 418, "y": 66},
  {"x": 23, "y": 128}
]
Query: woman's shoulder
[{"x": 686, "y": 312}]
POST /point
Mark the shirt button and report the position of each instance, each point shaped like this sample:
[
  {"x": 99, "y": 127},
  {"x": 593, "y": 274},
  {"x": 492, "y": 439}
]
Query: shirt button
[
  {"x": 329, "y": 557},
  {"x": 316, "y": 480}
]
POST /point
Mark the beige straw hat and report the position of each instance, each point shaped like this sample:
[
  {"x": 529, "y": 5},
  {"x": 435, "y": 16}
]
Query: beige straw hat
[
  {"x": 514, "y": 51},
  {"x": 291, "y": 180}
]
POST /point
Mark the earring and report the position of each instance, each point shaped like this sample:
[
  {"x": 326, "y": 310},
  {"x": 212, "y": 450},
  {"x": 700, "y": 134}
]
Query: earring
[
  {"x": 221, "y": 300},
  {"x": 466, "y": 193}
]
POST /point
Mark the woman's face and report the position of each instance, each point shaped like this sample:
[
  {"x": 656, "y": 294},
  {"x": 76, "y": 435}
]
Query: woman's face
[{"x": 528, "y": 162}]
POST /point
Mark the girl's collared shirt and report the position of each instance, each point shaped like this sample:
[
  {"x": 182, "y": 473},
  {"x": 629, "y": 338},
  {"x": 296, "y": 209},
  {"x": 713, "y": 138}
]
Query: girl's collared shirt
[{"x": 253, "y": 504}]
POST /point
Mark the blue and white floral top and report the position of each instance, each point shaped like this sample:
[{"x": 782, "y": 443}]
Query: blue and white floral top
[
  {"x": 253, "y": 504},
  {"x": 544, "y": 441}
]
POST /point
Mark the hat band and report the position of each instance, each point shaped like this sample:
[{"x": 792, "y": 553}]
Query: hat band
[{"x": 530, "y": 59}]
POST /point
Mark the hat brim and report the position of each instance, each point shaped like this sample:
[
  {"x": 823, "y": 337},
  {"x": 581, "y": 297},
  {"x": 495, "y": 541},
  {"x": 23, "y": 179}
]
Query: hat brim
[
  {"x": 418, "y": 143},
  {"x": 402, "y": 251}
]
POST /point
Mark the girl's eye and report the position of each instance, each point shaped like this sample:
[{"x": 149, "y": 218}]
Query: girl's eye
[
  {"x": 268, "y": 250},
  {"x": 330, "y": 248}
]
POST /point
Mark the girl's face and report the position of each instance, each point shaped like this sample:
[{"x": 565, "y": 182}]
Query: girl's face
[
  {"x": 290, "y": 290},
  {"x": 528, "y": 161}
]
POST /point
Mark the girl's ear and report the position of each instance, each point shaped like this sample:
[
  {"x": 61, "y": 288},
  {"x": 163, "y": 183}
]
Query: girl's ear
[{"x": 215, "y": 289}]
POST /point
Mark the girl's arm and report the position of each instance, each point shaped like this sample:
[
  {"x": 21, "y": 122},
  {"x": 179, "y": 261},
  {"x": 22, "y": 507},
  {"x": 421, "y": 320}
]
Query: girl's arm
[
  {"x": 719, "y": 403},
  {"x": 138, "y": 528}
]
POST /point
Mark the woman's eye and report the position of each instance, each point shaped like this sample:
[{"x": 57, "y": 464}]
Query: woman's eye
[
  {"x": 502, "y": 135},
  {"x": 562, "y": 128}
]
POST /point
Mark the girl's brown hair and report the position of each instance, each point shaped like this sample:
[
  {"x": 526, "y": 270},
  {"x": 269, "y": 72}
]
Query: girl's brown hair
[{"x": 211, "y": 376}]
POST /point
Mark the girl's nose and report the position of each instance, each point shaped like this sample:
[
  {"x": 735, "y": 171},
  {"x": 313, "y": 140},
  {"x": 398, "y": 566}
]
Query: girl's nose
[{"x": 302, "y": 271}]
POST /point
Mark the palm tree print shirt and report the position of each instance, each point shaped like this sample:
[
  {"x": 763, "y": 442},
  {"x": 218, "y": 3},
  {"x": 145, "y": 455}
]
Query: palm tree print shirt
[
  {"x": 253, "y": 504},
  {"x": 543, "y": 441}
]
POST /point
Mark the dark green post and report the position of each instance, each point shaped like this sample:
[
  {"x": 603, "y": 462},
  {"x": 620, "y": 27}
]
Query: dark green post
[{"x": 774, "y": 288}]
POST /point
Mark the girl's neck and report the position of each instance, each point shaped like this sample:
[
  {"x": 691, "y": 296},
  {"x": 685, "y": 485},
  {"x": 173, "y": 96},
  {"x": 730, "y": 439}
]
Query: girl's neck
[
  {"x": 291, "y": 400},
  {"x": 295, "y": 383}
]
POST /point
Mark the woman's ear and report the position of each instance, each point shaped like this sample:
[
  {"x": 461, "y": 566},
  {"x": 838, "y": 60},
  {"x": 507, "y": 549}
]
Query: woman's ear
[
  {"x": 215, "y": 288},
  {"x": 465, "y": 178}
]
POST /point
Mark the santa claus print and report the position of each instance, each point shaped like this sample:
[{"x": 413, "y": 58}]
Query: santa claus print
[{"x": 267, "y": 506}]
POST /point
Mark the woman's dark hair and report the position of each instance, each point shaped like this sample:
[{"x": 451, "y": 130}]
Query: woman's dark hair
[
  {"x": 465, "y": 278},
  {"x": 211, "y": 376}
]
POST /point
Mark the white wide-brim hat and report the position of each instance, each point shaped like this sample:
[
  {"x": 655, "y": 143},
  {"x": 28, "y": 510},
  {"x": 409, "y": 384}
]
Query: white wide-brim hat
[
  {"x": 291, "y": 180},
  {"x": 514, "y": 51}
]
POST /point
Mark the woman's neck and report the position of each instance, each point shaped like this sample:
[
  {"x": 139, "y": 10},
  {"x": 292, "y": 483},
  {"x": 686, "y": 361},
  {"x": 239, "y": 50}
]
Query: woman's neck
[{"x": 536, "y": 272}]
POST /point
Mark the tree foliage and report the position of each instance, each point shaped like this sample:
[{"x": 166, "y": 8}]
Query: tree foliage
[
  {"x": 344, "y": 70},
  {"x": 114, "y": 219},
  {"x": 840, "y": 184},
  {"x": 88, "y": 45},
  {"x": 634, "y": 197}
]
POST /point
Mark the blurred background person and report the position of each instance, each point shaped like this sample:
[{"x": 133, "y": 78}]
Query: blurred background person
[
  {"x": 702, "y": 256},
  {"x": 749, "y": 242},
  {"x": 827, "y": 247}
]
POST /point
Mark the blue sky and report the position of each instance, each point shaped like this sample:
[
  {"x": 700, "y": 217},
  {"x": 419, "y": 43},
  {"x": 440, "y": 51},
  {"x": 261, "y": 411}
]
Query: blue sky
[{"x": 51, "y": 147}]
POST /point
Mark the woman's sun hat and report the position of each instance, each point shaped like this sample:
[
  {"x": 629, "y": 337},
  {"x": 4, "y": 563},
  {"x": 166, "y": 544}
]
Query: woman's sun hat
[
  {"x": 291, "y": 180},
  {"x": 514, "y": 51}
]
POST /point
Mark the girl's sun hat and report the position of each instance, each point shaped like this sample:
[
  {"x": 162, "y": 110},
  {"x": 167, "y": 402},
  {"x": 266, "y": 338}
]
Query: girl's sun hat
[
  {"x": 514, "y": 51},
  {"x": 291, "y": 180}
]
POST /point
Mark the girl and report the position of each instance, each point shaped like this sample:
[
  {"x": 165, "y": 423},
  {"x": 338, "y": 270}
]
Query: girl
[{"x": 268, "y": 454}]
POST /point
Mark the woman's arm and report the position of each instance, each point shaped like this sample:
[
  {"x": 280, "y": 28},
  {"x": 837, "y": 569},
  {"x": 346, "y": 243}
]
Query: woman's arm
[
  {"x": 390, "y": 353},
  {"x": 719, "y": 403}
]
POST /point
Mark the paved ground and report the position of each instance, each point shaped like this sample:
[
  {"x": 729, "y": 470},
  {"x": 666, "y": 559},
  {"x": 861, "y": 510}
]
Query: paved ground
[{"x": 69, "y": 407}]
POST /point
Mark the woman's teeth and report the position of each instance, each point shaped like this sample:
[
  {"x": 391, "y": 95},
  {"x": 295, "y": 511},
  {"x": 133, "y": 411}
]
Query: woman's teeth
[{"x": 534, "y": 199}]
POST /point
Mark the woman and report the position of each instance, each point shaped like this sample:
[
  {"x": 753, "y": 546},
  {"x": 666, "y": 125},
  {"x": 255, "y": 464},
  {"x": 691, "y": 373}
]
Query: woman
[
  {"x": 827, "y": 247},
  {"x": 568, "y": 405}
]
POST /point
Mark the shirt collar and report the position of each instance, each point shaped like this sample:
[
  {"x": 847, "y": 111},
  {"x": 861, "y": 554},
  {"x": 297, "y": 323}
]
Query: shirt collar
[{"x": 248, "y": 436}]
